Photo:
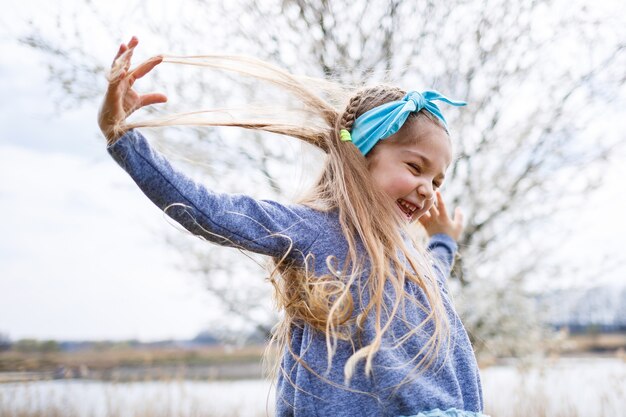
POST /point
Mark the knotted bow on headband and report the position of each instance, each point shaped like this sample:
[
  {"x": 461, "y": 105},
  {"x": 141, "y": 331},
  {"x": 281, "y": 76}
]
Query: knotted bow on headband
[{"x": 385, "y": 120}]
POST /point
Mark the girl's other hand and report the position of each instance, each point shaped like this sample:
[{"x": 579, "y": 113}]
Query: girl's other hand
[
  {"x": 437, "y": 220},
  {"x": 120, "y": 99}
]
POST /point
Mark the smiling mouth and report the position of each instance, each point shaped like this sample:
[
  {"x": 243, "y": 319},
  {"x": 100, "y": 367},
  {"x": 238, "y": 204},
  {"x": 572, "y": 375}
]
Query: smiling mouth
[{"x": 407, "y": 208}]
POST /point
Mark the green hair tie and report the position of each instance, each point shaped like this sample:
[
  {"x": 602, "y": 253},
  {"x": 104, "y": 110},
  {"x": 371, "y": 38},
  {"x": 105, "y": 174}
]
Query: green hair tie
[{"x": 345, "y": 135}]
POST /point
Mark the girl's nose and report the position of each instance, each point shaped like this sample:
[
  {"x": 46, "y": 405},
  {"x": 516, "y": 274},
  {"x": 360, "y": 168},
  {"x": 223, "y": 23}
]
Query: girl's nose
[{"x": 426, "y": 191}]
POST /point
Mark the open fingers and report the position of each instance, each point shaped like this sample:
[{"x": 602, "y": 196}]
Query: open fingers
[
  {"x": 152, "y": 98},
  {"x": 125, "y": 47},
  {"x": 121, "y": 63},
  {"x": 424, "y": 219},
  {"x": 120, "y": 51},
  {"x": 144, "y": 68},
  {"x": 124, "y": 55},
  {"x": 117, "y": 72},
  {"x": 133, "y": 42},
  {"x": 434, "y": 211},
  {"x": 119, "y": 69},
  {"x": 441, "y": 205},
  {"x": 458, "y": 217}
]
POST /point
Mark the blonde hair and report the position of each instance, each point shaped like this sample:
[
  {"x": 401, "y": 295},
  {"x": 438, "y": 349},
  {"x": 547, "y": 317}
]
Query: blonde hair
[{"x": 326, "y": 302}]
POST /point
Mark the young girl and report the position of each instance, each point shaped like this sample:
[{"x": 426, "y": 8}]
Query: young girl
[{"x": 368, "y": 327}]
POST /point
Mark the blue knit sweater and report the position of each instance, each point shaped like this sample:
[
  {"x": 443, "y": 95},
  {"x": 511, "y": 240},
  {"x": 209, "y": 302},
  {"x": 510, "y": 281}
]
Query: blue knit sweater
[{"x": 270, "y": 228}]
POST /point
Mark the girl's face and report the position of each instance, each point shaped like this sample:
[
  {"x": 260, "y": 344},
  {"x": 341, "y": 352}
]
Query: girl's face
[{"x": 410, "y": 166}]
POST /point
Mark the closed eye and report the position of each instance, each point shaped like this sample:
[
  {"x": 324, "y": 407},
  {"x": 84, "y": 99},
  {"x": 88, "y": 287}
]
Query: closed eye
[{"x": 416, "y": 168}]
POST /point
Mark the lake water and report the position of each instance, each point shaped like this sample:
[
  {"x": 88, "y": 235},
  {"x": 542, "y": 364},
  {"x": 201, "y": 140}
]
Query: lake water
[{"x": 586, "y": 387}]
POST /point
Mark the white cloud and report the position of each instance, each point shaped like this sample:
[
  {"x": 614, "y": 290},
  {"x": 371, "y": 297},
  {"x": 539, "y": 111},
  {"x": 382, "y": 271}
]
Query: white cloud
[{"x": 82, "y": 254}]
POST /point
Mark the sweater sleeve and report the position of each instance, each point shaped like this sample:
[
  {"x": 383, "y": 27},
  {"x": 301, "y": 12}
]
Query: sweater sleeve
[
  {"x": 234, "y": 220},
  {"x": 442, "y": 248}
]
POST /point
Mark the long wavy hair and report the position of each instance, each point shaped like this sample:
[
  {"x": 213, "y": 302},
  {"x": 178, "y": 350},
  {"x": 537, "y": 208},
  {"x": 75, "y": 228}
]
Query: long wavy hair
[{"x": 393, "y": 254}]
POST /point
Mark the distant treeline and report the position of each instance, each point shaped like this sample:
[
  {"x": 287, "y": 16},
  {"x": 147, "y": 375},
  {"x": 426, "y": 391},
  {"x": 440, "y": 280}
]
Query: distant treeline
[
  {"x": 205, "y": 338},
  {"x": 30, "y": 346},
  {"x": 591, "y": 329},
  {"x": 50, "y": 346}
]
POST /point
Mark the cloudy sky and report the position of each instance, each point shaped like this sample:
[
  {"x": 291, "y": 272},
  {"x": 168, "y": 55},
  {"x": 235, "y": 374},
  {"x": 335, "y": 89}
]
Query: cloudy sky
[{"x": 82, "y": 254}]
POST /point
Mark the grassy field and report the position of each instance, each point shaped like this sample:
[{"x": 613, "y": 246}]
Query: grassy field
[
  {"x": 538, "y": 392},
  {"x": 132, "y": 364},
  {"x": 115, "y": 356},
  {"x": 100, "y": 359},
  {"x": 557, "y": 387}
]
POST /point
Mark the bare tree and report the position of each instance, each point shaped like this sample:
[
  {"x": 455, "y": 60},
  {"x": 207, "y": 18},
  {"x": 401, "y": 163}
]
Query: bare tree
[{"x": 535, "y": 75}]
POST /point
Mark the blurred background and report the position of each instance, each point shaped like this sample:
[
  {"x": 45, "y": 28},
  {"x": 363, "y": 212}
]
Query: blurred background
[{"x": 98, "y": 286}]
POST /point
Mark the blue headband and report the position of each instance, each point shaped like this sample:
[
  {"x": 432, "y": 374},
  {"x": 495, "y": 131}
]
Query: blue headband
[{"x": 385, "y": 120}]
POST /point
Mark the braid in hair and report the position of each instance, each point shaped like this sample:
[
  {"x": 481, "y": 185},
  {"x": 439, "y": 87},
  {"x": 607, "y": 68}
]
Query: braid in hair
[
  {"x": 366, "y": 99},
  {"x": 349, "y": 115}
]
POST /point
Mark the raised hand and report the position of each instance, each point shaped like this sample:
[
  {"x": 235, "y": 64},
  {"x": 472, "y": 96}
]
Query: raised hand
[
  {"x": 437, "y": 220},
  {"x": 121, "y": 99}
]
